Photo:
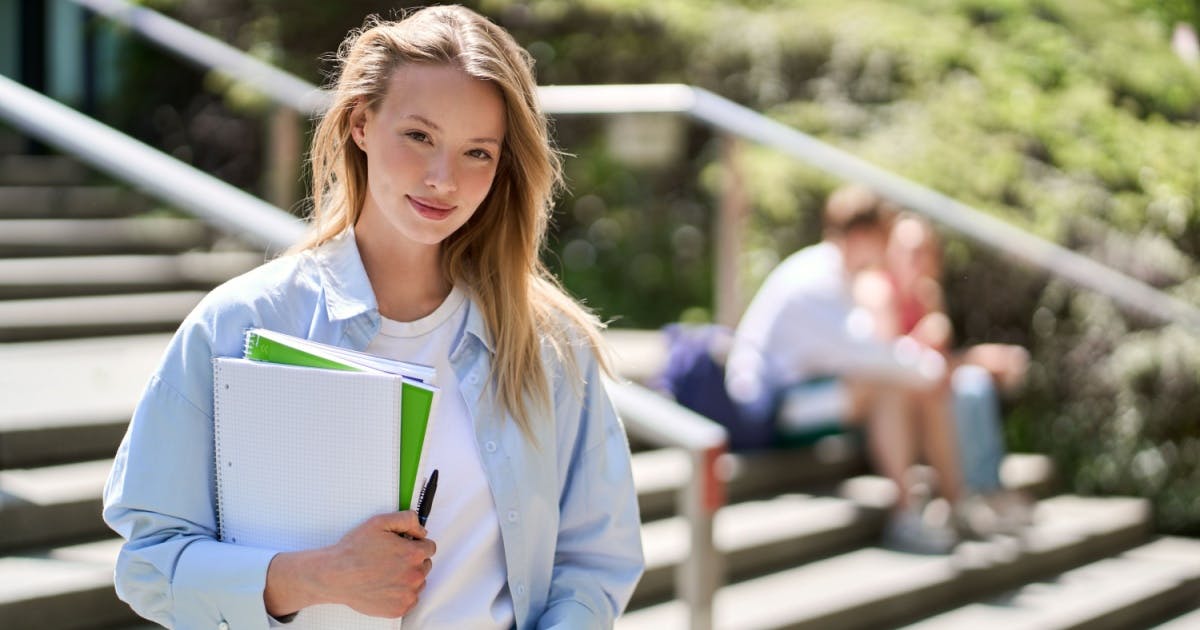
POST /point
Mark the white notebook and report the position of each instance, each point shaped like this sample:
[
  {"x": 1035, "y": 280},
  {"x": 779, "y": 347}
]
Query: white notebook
[{"x": 303, "y": 455}]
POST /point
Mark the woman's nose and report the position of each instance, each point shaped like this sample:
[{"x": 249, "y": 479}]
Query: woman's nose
[{"x": 440, "y": 174}]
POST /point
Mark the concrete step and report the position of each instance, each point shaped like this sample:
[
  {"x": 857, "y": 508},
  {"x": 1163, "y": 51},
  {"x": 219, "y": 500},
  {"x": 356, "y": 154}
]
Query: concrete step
[
  {"x": 62, "y": 588},
  {"x": 70, "y": 400},
  {"x": 874, "y": 587},
  {"x": 783, "y": 530},
  {"x": 59, "y": 318},
  {"x": 45, "y": 170},
  {"x": 1125, "y": 591},
  {"x": 757, "y": 537},
  {"x": 82, "y": 237},
  {"x": 660, "y": 473},
  {"x": 69, "y": 202},
  {"x": 24, "y": 278},
  {"x": 56, "y": 503},
  {"x": 52, "y": 505},
  {"x": 1031, "y": 473},
  {"x": 641, "y": 354},
  {"x": 10, "y": 141}
]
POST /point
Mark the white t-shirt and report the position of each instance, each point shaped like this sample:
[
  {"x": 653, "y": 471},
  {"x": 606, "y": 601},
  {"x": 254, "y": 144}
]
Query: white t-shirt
[
  {"x": 803, "y": 324},
  {"x": 468, "y": 586}
]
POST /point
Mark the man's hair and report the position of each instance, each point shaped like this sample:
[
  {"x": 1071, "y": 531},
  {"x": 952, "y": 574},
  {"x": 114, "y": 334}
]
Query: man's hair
[{"x": 856, "y": 207}]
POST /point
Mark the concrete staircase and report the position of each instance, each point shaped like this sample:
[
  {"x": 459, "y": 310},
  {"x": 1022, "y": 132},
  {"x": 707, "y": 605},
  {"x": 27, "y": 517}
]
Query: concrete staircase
[{"x": 93, "y": 278}]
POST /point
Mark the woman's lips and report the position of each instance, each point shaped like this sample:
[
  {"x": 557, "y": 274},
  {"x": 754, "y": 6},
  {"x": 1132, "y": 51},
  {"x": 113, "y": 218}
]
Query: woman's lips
[{"x": 429, "y": 209}]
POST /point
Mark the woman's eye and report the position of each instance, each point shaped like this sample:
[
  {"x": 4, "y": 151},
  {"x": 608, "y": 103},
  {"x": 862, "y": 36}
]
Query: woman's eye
[
  {"x": 419, "y": 136},
  {"x": 479, "y": 154}
]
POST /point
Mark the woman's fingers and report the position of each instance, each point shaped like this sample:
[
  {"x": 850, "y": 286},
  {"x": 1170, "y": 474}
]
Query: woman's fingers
[{"x": 400, "y": 523}]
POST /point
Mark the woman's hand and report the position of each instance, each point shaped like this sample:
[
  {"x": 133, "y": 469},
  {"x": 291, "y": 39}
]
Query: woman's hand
[
  {"x": 378, "y": 572},
  {"x": 378, "y": 569}
]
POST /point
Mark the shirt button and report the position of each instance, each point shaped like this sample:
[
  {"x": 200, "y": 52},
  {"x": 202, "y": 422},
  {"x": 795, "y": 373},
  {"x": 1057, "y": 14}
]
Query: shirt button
[
  {"x": 222, "y": 626},
  {"x": 520, "y": 589},
  {"x": 512, "y": 516},
  {"x": 473, "y": 379},
  {"x": 490, "y": 446}
]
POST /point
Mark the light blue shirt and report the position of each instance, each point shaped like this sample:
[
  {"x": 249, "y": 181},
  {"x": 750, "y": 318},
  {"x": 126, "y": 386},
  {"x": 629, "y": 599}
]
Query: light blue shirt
[{"x": 568, "y": 511}]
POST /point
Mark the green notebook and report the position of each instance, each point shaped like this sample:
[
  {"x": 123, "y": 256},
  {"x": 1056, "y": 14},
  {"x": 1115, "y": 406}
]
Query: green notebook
[{"x": 417, "y": 392}]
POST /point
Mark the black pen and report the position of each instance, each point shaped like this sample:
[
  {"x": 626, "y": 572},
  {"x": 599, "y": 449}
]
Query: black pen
[{"x": 425, "y": 501}]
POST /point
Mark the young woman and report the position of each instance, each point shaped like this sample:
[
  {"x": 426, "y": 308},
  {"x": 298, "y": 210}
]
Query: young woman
[{"x": 433, "y": 177}]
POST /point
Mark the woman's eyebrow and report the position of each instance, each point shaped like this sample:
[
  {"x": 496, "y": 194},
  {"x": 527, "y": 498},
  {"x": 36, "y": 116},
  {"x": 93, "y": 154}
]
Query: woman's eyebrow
[{"x": 434, "y": 126}]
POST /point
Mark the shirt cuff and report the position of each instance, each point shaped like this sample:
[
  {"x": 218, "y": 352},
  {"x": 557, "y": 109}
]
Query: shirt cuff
[{"x": 220, "y": 585}]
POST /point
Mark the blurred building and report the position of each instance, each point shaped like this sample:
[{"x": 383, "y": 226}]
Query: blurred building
[{"x": 55, "y": 47}]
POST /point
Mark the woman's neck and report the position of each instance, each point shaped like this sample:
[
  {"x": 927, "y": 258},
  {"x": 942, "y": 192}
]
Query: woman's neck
[{"x": 407, "y": 281}]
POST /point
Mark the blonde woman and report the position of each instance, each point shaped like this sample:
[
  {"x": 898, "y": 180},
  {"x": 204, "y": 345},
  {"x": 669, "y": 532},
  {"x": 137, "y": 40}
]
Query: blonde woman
[{"x": 433, "y": 176}]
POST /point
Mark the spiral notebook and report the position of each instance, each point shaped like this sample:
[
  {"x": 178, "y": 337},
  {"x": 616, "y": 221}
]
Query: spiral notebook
[
  {"x": 276, "y": 347},
  {"x": 305, "y": 454}
]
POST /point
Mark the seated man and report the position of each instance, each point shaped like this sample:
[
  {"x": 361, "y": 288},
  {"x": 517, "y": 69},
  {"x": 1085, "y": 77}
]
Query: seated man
[{"x": 805, "y": 359}]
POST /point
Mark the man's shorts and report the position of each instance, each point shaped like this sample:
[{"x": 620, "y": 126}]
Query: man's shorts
[
  {"x": 811, "y": 410},
  {"x": 799, "y": 414}
]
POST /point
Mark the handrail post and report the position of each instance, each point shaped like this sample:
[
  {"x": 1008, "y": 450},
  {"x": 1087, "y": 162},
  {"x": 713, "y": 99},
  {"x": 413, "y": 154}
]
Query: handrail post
[
  {"x": 728, "y": 229},
  {"x": 283, "y": 151},
  {"x": 664, "y": 422},
  {"x": 702, "y": 572}
]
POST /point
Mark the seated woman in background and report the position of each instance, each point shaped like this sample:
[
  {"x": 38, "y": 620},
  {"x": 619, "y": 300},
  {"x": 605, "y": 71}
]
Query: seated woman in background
[{"x": 905, "y": 298}]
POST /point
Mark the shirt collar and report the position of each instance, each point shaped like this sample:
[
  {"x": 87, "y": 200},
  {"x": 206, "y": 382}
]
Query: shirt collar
[
  {"x": 476, "y": 327},
  {"x": 348, "y": 292}
]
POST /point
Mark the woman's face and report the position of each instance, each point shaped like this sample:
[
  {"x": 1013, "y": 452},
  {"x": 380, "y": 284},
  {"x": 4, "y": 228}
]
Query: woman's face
[
  {"x": 432, "y": 146},
  {"x": 912, "y": 252}
]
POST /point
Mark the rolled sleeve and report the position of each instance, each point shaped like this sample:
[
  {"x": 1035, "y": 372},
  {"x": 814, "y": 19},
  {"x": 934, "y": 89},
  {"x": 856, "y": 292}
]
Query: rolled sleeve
[{"x": 570, "y": 615}]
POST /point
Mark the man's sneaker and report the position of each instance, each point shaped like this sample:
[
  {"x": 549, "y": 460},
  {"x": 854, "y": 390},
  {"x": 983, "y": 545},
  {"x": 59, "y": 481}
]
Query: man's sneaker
[{"x": 906, "y": 531}]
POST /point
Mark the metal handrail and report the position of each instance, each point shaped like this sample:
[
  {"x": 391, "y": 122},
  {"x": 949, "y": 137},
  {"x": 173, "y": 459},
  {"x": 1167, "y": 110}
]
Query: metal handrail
[
  {"x": 665, "y": 423},
  {"x": 721, "y": 114},
  {"x": 725, "y": 115},
  {"x": 148, "y": 169}
]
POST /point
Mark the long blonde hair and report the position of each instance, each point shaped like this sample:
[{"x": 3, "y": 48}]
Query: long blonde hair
[{"x": 495, "y": 253}]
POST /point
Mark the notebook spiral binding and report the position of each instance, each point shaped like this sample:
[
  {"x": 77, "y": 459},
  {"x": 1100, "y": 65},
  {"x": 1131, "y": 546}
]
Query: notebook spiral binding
[
  {"x": 249, "y": 344},
  {"x": 217, "y": 451}
]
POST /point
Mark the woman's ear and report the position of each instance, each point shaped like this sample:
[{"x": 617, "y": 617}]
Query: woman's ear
[{"x": 358, "y": 124}]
